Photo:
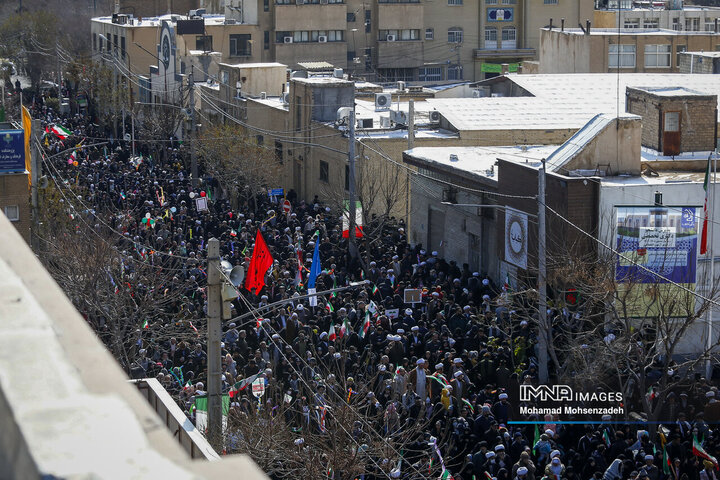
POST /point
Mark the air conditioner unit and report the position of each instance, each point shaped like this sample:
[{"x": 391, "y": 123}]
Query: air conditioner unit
[
  {"x": 286, "y": 98},
  {"x": 343, "y": 113},
  {"x": 382, "y": 101},
  {"x": 399, "y": 117},
  {"x": 364, "y": 123},
  {"x": 477, "y": 93},
  {"x": 390, "y": 38},
  {"x": 230, "y": 21},
  {"x": 384, "y": 122},
  {"x": 434, "y": 116},
  {"x": 322, "y": 39},
  {"x": 299, "y": 2},
  {"x": 338, "y": 72},
  {"x": 323, "y": 2},
  {"x": 401, "y": 86},
  {"x": 263, "y": 95},
  {"x": 287, "y": 39},
  {"x": 415, "y": 89}
]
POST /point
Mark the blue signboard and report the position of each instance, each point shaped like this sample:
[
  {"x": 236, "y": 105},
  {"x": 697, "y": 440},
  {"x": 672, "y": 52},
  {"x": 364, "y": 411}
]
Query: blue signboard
[
  {"x": 500, "y": 15},
  {"x": 12, "y": 151},
  {"x": 276, "y": 192}
]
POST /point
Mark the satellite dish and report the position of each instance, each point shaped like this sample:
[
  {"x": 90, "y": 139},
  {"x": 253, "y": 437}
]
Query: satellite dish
[
  {"x": 226, "y": 267},
  {"x": 237, "y": 275}
]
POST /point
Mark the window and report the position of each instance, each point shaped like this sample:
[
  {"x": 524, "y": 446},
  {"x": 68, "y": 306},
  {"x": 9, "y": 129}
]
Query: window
[
  {"x": 204, "y": 43},
  {"x": 678, "y": 50},
  {"x": 672, "y": 122},
  {"x": 399, "y": 35},
  {"x": 368, "y": 59},
  {"x": 266, "y": 5},
  {"x": 12, "y": 212},
  {"x": 449, "y": 195},
  {"x": 240, "y": 45},
  {"x": 676, "y": 24},
  {"x": 455, "y": 72},
  {"x": 122, "y": 47},
  {"x": 109, "y": 43},
  {"x": 280, "y": 36},
  {"x": 396, "y": 74},
  {"x": 115, "y": 43},
  {"x": 266, "y": 40},
  {"x": 550, "y": 2},
  {"x": 299, "y": 37},
  {"x": 692, "y": 24},
  {"x": 709, "y": 24},
  {"x": 657, "y": 56},
  {"x": 283, "y": 2},
  {"x": 631, "y": 23},
  {"x": 621, "y": 56},
  {"x": 224, "y": 77},
  {"x": 324, "y": 172},
  {"x": 491, "y": 2},
  {"x": 455, "y": 2},
  {"x": 260, "y": 140},
  {"x": 351, "y": 56},
  {"x": 652, "y": 23},
  {"x": 509, "y": 39},
  {"x": 298, "y": 113},
  {"x": 455, "y": 35},
  {"x": 509, "y": 2},
  {"x": 368, "y": 21},
  {"x": 490, "y": 37},
  {"x": 430, "y": 74},
  {"x": 351, "y": 17},
  {"x": 278, "y": 151},
  {"x": 429, "y": 34}
]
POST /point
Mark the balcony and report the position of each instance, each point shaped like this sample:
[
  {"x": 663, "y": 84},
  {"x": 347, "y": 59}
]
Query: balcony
[
  {"x": 312, "y": 16},
  {"x": 521, "y": 53},
  {"x": 400, "y": 54},
  {"x": 400, "y": 15}
]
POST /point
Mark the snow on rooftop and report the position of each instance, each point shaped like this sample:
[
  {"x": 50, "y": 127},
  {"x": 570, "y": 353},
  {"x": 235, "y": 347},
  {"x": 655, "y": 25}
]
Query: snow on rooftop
[
  {"x": 631, "y": 31},
  {"x": 480, "y": 160}
]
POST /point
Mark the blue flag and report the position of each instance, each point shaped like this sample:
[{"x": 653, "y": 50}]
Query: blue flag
[{"x": 315, "y": 268}]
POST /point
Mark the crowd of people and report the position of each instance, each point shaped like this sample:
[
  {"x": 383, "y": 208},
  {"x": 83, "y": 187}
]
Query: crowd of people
[{"x": 448, "y": 369}]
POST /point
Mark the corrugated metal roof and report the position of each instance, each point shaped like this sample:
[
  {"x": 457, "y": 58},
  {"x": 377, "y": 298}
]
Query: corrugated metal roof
[{"x": 316, "y": 66}]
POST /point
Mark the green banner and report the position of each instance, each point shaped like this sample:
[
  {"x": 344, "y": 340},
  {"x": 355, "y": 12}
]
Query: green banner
[{"x": 497, "y": 67}]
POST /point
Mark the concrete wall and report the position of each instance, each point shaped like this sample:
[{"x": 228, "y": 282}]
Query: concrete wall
[
  {"x": 617, "y": 147},
  {"x": 515, "y": 137},
  {"x": 609, "y": 18},
  {"x": 400, "y": 54},
  {"x": 310, "y": 17},
  {"x": 539, "y": 14},
  {"x": 14, "y": 191},
  {"x": 563, "y": 53}
]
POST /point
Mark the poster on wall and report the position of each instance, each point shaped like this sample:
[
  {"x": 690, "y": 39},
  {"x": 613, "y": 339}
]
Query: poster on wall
[
  {"x": 516, "y": 232},
  {"x": 657, "y": 246}
]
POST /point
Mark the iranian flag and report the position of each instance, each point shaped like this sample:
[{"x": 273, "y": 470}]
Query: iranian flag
[
  {"x": 145, "y": 324},
  {"x": 73, "y": 158},
  {"x": 365, "y": 326},
  {"x": 345, "y": 328},
  {"x": 699, "y": 451},
  {"x": 61, "y": 132},
  {"x": 243, "y": 384},
  {"x": 331, "y": 333},
  {"x": 446, "y": 475},
  {"x": 706, "y": 184},
  {"x": 201, "y": 412}
]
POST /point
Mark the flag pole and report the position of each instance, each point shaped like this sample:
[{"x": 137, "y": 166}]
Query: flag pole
[{"x": 709, "y": 340}]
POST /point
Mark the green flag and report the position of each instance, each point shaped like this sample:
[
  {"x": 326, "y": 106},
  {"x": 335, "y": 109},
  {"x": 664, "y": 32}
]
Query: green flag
[{"x": 536, "y": 439}]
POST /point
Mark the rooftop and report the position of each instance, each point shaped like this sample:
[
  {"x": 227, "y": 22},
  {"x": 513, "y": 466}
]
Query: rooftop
[
  {"x": 477, "y": 161},
  {"x": 630, "y": 31},
  {"x": 253, "y": 65},
  {"x": 210, "y": 21},
  {"x": 672, "y": 91},
  {"x": 703, "y": 54}
]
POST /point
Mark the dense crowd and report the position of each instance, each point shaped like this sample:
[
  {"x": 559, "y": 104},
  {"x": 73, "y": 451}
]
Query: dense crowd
[{"x": 448, "y": 369}]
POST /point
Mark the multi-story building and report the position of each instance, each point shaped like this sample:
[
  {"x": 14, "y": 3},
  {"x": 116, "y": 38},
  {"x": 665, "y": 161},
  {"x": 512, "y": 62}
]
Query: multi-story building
[
  {"x": 593, "y": 50},
  {"x": 679, "y": 18},
  {"x": 430, "y": 41}
]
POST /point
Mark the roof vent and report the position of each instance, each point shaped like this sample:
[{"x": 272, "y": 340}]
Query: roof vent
[{"x": 453, "y": 157}]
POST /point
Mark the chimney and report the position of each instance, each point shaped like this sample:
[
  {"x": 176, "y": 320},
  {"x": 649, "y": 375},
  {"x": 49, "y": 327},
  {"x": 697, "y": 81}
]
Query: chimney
[
  {"x": 562, "y": 24},
  {"x": 587, "y": 27},
  {"x": 505, "y": 68},
  {"x": 551, "y": 25}
]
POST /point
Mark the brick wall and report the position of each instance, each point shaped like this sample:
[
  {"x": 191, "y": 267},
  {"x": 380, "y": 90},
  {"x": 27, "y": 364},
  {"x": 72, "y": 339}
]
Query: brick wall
[
  {"x": 699, "y": 64},
  {"x": 697, "y": 118},
  {"x": 14, "y": 191}
]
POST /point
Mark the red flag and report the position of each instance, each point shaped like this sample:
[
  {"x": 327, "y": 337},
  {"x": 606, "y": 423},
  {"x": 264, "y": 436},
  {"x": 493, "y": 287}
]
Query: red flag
[{"x": 260, "y": 262}]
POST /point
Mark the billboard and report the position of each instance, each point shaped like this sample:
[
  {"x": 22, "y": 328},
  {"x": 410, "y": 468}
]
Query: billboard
[
  {"x": 657, "y": 246},
  {"x": 12, "y": 151},
  {"x": 516, "y": 237}
]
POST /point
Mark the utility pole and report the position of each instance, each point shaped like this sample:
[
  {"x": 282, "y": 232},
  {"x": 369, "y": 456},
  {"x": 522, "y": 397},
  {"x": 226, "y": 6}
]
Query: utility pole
[
  {"x": 35, "y": 173},
  {"x": 214, "y": 326},
  {"x": 542, "y": 281},
  {"x": 351, "y": 181},
  {"x": 191, "y": 100},
  {"x": 411, "y": 123}
]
